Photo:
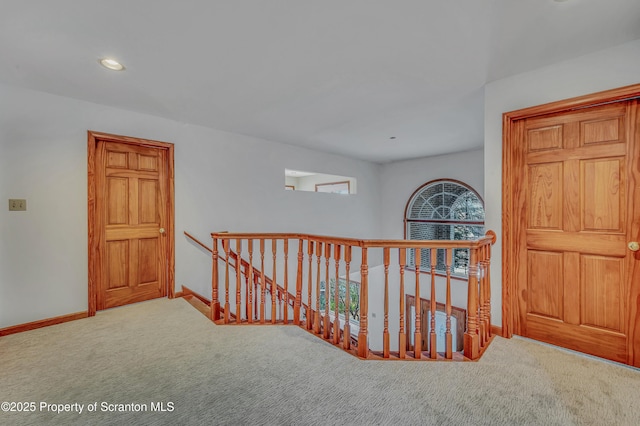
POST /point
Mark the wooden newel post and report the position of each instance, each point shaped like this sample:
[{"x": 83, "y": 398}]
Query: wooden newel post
[
  {"x": 274, "y": 282},
  {"x": 238, "y": 281},
  {"x": 285, "y": 310},
  {"x": 385, "y": 331},
  {"x": 493, "y": 236},
  {"x": 471, "y": 342},
  {"x": 482, "y": 295},
  {"x": 215, "y": 301},
  {"x": 363, "y": 345},
  {"x": 488, "y": 290},
  {"x": 298, "y": 301},
  {"x": 250, "y": 283},
  {"x": 263, "y": 286},
  {"x": 402, "y": 335},
  {"x": 417, "y": 335},
  {"x": 227, "y": 309}
]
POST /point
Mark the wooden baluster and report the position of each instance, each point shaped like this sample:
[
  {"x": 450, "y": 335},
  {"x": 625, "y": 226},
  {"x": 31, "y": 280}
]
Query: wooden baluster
[
  {"x": 298, "y": 302},
  {"x": 346, "y": 341},
  {"x": 385, "y": 332},
  {"x": 402, "y": 336},
  {"x": 285, "y": 313},
  {"x": 417, "y": 336},
  {"x": 487, "y": 296},
  {"x": 488, "y": 290},
  {"x": 238, "y": 281},
  {"x": 433, "y": 338},
  {"x": 448, "y": 336},
  {"x": 256, "y": 285},
  {"x": 263, "y": 284},
  {"x": 363, "y": 344},
  {"x": 316, "y": 322},
  {"x": 482, "y": 336},
  {"x": 247, "y": 292},
  {"x": 274, "y": 283},
  {"x": 471, "y": 348},
  {"x": 327, "y": 294},
  {"x": 227, "y": 308},
  {"x": 336, "y": 318},
  {"x": 309, "y": 312},
  {"x": 250, "y": 283},
  {"x": 215, "y": 301}
]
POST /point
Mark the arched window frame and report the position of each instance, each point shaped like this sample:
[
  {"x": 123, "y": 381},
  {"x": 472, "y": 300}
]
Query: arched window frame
[{"x": 473, "y": 227}]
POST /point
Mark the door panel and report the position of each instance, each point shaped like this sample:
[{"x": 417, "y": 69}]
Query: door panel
[
  {"x": 544, "y": 138},
  {"x": 545, "y": 199},
  {"x": 574, "y": 272},
  {"x": 117, "y": 201},
  {"x": 604, "y": 130},
  {"x": 133, "y": 202},
  {"x": 148, "y": 255},
  {"x": 601, "y": 291},
  {"x": 545, "y": 291},
  {"x": 603, "y": 194},
  {"x": 118, "y": 270}
]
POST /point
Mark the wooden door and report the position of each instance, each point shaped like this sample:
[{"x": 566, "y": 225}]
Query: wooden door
[
  {"x": 577, "y": 198},
  {"x": 133, "y": 221}
]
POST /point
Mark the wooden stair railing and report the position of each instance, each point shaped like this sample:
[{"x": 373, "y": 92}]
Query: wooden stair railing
[
  {"x": 254, "y": 273},
  {"x": 325, "y": 316}
]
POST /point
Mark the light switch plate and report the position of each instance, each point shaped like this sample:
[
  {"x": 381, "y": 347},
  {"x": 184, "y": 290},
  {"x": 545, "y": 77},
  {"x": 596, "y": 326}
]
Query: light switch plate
[{"x": 16, "y": 205}]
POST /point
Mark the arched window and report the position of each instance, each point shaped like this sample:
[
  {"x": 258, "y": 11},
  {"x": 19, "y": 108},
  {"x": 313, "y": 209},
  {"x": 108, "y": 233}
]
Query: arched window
[{"x": 444, "y": 210}]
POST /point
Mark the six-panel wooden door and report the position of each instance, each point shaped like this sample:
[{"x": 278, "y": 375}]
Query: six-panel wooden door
[
  {"x": 132, "y": 209},
  {"x": 578, "y": 196}
]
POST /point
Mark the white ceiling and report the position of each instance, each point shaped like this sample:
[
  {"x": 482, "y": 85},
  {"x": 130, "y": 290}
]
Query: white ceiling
[{"x": 340, "y": 76}]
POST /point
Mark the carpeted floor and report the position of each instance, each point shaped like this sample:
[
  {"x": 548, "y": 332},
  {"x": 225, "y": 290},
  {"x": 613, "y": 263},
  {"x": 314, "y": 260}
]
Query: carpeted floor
[{"x": 165, "y": 354}]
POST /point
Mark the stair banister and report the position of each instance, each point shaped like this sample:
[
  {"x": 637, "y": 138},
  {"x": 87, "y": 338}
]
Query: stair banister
[
  {"x": 475, "y": 336},
  {"x": 471, "y": 344}
]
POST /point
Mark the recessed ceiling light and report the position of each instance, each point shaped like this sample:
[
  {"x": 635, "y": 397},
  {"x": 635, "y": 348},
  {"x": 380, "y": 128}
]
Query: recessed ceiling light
[{"x": 111, "y": 64}]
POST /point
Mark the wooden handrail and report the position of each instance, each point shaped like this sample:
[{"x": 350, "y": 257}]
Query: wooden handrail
[
  {"x": 436, "y": 244},
  {"x": 197, "y": 241}
]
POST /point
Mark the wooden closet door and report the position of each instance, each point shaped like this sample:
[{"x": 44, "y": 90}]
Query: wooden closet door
[
  {"x": 579, "y": 204},
  {"x": 132, "y": 206}
]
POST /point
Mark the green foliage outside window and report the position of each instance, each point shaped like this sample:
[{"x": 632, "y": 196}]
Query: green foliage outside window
[{"x": 354, "y": 298}]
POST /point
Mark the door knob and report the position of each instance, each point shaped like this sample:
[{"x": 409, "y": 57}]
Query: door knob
[
  {"x": 162, "y": 230},
  {"x": 634, "y": 246}
]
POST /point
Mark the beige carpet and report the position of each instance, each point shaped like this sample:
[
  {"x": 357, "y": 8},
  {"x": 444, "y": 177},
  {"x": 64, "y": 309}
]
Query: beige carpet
[{"x": 164, "y": 351}]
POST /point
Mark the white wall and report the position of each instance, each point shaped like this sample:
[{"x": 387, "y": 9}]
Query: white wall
[
  {"x": 223, "y": 182},
  {"x": 607, "y": 69},
  {"x": 399, "y": 180}
]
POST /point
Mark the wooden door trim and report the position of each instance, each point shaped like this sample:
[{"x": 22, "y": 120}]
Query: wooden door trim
[
  {"x": 510, "y": 142},
  {"x": 94, "y": 225}
]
